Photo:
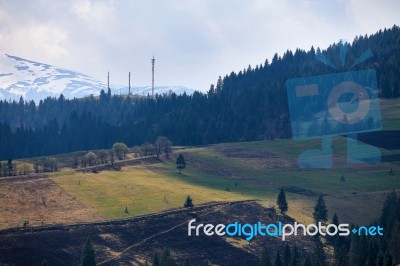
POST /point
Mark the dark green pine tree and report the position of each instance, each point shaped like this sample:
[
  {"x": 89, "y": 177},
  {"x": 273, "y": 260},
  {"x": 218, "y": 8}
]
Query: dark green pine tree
[
  {"x": 389, "y": 216},
  {"x": 156, "y": 259},
  {"x": 108, "y": 94},
  {"x": 379, "y": 260},
  {"x": 166, "y": 259},
  {"x": 388, "y": 259},
  {"x": 180, "y": 163},
  {"x": 294, "y": 259},
  {"x": 265, "y": 259},
  {"x": 287, "y": 254},
  {"x": 373, "y": 250},
  {"x": 278, "y": 260},
  {"x": 307, "y": 261},
  {"x": 10, "y": 166},
  {"x": 281, "y": 201},
  {"x": 88, "y": 256},
  {"x": 335, "y": 219},
  {"x": 334, "y": 239},
  {"x": 394, "y": 244},
  {"x": 44, "y": 263},
  {"x": 358, "y": 253},
  {"x": 188, "y": 202},
  {"x": 319, "y": 255},
  {"x": 320, "y": 212}
]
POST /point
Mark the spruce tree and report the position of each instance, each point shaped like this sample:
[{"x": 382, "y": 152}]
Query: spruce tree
[
  {"x": 278, "y": 260},
  {"x": 307, "y": 261},
  {"x": 335, "y": 219},
  {"x": 387, "y": 259},
  {"x": 88, "y": 256},
  {"x": 188, "y": 202},
  {"x": 320, "y": 212},
  {"x": 319, "y": 255},
  {"x": 180, "y": 163},
  {"x": 166, "y": 259},
  {"x": 281, "y": 201},
  {"x": 287, "y": 254},
  {"x": 334, "y": 239},
  {"x": 265, "y": 259},
  {"x": 10, "y": 166},
  {"x": 388, "y": 217},
  {"x": 394, "y": 244},
  {"x": 379, "y": 260},
  {"x": 156, "y": 259},
  {"x": 294, "y": 259}
]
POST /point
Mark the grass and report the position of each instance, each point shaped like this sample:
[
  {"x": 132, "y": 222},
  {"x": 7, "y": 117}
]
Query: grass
[
  {"x": 357, "y": 200},
  {"x": 155, "y": 188},
  {"x": 142, "y": 190},
  {"x": 390, "y": 110}
]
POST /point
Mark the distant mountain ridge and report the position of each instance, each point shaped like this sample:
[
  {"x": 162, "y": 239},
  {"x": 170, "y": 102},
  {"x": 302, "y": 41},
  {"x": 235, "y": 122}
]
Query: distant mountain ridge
[{"x": 35, "y": 81}]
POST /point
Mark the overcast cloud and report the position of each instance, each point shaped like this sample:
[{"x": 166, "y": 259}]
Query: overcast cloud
[{"x": 193, "y": 41}]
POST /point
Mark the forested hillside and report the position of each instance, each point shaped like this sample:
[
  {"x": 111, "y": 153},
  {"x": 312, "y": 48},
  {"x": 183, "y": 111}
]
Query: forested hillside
[{"x": 249, "y": 105}]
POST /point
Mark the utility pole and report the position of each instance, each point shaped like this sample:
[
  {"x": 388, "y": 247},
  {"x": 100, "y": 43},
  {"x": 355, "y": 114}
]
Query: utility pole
[{"x": 152, "y": 79}]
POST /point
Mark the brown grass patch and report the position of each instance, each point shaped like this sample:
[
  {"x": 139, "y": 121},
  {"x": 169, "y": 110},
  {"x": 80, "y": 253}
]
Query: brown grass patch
[{"x": 40, "y": 201}]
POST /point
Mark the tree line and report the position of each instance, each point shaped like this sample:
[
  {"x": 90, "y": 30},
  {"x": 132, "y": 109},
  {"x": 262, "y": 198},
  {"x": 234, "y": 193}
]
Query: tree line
[
  {"x": 41, "y": 165},
  {"x": 119, "y": 150},
  {"x": 245, "y": 106}
]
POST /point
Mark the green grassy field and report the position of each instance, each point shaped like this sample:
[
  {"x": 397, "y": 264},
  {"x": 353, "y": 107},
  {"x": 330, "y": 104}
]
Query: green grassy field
[
  {"x": 390, "y": 110},
  {"x": 150, "y": 189},
  {"x": 251, "y": 170},
  {"x": 358, "y": 199},
  {"x": 142, "y": 190}
]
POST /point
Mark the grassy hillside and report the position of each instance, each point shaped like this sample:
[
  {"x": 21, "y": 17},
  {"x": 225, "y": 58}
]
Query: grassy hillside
[
  {"x": 225, "y": 172},
  {"x": 253, "y": 170},
  {"x": 143, "y": 190}
]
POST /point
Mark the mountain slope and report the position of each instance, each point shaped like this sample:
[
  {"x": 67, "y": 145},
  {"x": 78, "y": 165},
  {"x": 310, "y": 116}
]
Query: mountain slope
[{"x": 35, "y": 81}]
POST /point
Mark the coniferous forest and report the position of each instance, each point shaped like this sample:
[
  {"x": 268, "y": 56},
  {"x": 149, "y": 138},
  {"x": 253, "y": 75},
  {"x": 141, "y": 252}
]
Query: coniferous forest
[{"x": 248, "y": 105}]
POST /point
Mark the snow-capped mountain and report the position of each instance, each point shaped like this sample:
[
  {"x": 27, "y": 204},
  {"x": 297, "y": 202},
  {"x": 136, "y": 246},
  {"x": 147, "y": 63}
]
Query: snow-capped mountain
[{"x": 35, "y": 81}]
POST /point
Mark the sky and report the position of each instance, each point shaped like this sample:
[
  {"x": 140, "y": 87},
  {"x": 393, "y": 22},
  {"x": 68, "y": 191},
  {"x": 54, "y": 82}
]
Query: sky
[{"x": 193, "y": 41}]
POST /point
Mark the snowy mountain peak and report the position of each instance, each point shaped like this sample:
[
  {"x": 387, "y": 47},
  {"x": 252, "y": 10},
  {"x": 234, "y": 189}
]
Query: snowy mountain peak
[{"x": 35, "y": 81}]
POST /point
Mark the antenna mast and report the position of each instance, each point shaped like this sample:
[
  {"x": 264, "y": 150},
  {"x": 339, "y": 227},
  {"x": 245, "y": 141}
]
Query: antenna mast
[
  {"x": 108, "y": 80},
  {"x": 152, "y": 79},
  {"x": 129, "y": 83}
]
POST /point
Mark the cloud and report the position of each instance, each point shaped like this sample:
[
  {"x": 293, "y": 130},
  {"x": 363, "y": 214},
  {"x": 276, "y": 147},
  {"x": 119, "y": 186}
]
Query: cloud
[
  {"x": 43, "y": 39},
  {"x": 97, "y": 15},
  {"x": 194, "y": 41},
  {"x": 35, "y": 41},
  {"x": 370, "y": 15}
]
